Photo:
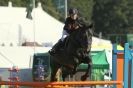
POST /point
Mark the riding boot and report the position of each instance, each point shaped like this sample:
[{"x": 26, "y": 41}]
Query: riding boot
[{"x": 56, "y": 47}]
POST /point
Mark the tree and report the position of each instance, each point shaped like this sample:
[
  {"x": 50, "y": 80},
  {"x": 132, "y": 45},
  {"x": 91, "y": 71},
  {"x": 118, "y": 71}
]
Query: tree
[
  {"x": 18, "y": 3},
  {"x": 49, "y": 6},
  {"x": 110, "y": 16},
  {"x": 4, "y": 2},
  {"x": 130, "y": 16}
]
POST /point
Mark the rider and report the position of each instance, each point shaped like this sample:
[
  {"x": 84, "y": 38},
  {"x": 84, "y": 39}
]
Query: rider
[{"x": 71, "y": 24}]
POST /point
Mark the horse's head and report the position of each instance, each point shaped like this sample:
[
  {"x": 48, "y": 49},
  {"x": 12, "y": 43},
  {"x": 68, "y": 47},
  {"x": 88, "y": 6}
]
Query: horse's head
[{"x": 84, "y": 36}]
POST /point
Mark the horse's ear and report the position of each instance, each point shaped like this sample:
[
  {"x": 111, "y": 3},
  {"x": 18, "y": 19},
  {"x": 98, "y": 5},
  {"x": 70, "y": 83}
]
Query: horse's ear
[{"x": 91, "y": 28}]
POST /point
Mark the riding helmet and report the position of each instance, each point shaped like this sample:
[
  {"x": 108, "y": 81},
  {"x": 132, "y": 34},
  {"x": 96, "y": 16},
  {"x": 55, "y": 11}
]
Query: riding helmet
[{"x": 73, "y": 11}]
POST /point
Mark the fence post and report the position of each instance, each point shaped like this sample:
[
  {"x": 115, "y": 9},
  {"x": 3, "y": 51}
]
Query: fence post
[
  {"x": 132, "y": 74},
  {"x": 114, "y": 63},
  {"x": 126, "y": 64}
]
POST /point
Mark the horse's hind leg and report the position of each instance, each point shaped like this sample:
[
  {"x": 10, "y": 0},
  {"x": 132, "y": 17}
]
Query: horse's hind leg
[
  {"x": 54, "y": 68},
  {"x": 66, "y": 71},
  {"x": 59, "y": 75}
]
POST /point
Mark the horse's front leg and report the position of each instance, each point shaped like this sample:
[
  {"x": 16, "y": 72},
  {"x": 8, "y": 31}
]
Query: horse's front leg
[{"x": 88, "y": 71}]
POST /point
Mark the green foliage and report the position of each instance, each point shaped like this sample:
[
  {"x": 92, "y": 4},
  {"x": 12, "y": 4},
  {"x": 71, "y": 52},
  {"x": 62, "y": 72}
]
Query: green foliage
[
  {"x": 4, "y": 2},
  {"x": 111, "y": 16},
  {"x": 130, "y": 15},
  {"x": 49, "y": 6},
  {"x": 85, "y": 7},
  {"x": 18, "y": 3}
]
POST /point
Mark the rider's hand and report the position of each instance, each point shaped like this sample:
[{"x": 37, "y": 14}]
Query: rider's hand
[
  {"x": 76, "y": 27},
  {"x": 69, "y": 26}
]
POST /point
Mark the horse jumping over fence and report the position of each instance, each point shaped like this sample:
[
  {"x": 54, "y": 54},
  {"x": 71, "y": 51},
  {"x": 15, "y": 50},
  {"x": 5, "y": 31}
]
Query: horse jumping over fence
[{"x": 76, "y": 50}]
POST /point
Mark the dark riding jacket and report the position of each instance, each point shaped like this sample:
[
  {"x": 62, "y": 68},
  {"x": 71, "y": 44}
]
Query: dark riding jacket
[{"x": 70, "y": 24}]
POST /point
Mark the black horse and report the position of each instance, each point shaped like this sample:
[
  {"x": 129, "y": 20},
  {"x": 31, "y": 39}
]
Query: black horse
[{"x": 76, "y": 50}]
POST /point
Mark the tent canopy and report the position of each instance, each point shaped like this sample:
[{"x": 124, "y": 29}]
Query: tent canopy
[{"x": 99, "y": 61}]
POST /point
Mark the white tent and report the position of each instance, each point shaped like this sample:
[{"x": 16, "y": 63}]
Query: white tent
[
  {"x": 14, "y": 26},
  {"x": 98, "y": 43}
]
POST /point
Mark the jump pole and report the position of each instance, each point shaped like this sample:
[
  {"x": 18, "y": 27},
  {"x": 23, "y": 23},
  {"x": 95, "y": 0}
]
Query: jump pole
[{"x": 68, "y": 83}]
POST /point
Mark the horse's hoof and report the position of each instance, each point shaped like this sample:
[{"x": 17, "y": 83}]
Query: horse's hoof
[{"x": 83, "y": 78}]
